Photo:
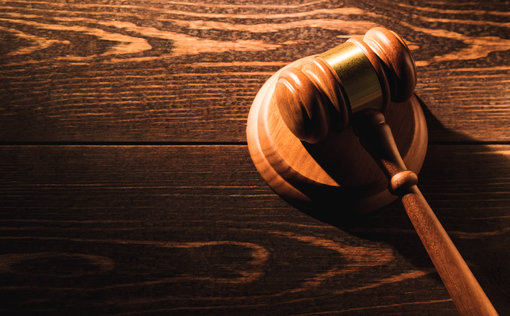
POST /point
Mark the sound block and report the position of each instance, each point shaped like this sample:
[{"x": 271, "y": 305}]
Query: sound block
[{"x": 336, "y": 174}]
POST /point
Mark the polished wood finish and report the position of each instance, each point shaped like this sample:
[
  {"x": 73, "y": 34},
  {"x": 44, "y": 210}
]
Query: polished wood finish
[
  {"x": 394, "y": 58},
  {"x": 313, "y": 94},
  {"x": 466, "y": 292},
  {"x": 319, "y": 93},
  {"x": 468, "y": 296},
  {"x": 298, "y": 128},
  {"x": 308, "y": 97},
  {"x": 316, "y": 175},
  {"x": 123, "y": 124}
]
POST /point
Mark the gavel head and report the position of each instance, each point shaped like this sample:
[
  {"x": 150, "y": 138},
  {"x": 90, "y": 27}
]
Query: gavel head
[{"x": 322, "y": 92}]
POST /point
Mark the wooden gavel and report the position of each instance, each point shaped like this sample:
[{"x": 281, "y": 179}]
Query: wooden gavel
[{"x": 351, "y": 84}]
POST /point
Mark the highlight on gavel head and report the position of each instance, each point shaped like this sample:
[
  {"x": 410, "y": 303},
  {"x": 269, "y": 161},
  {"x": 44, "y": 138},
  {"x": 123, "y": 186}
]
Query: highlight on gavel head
[
  {"x": 299, "y": 132},
  {"x": 321, "y": 92}
]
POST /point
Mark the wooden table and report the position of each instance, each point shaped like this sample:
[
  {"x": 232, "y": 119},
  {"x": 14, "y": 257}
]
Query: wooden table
[{"x": 126, "y": 186}]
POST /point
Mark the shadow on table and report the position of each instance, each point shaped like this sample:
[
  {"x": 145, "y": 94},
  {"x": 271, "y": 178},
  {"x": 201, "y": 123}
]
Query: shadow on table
[{"x": 468, "y": 189}]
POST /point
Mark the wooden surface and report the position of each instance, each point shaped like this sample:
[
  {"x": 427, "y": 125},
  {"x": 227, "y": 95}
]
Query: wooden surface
[{"x": 126, "y": 186}]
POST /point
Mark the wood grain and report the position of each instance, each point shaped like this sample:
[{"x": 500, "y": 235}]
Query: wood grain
[
  {"x": 194, "y": 230},
  {"x": 465, "y": 291},
  {"x": 161, "y": 228},
  {"x": 184, "y": 71}
]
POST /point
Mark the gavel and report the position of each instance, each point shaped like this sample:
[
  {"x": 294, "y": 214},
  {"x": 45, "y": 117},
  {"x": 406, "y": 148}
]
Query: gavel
[{"x": 348, "y": 88}]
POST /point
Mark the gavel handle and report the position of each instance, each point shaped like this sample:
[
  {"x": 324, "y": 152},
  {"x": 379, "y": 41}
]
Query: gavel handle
[
  {"x": 466, "y": 293},
  {"x": 468, "y": 296}
]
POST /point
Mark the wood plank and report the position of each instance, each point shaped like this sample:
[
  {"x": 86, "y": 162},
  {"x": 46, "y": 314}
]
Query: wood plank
[
  {"x": 122, "y": 71},
  {"x": 194, "y": 230}
]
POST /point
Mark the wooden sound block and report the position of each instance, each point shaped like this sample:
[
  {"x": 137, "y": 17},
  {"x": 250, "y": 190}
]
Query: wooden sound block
[{"x": 336, "y": 174}]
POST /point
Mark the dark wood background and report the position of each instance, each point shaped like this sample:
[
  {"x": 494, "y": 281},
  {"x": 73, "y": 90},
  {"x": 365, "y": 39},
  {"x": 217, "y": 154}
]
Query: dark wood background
[{"x": 126, "y": 186}]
